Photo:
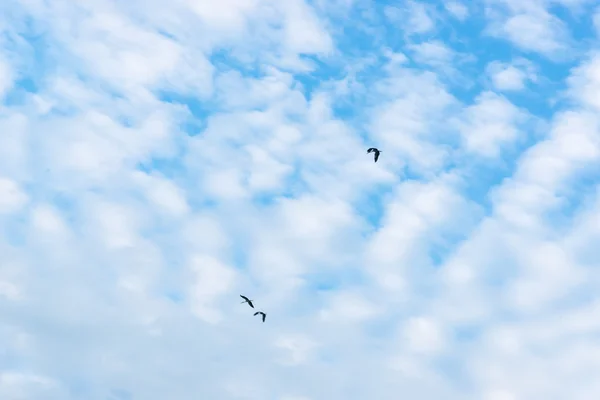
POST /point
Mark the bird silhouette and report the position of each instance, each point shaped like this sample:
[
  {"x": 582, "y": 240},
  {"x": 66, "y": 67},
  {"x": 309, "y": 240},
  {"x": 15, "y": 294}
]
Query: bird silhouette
[
  {"x": 373, "y": 149},
  {"x": 261, "y": 313},
  {"x": 247, "y": 300}
]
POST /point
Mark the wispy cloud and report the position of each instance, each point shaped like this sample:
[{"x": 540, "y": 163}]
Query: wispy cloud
[
  {"x": 414, "y": 17},
  {"x": 157, "y": 162},
  {"x": 457, "y": 9},
  {"x": 531, "y": 26}
]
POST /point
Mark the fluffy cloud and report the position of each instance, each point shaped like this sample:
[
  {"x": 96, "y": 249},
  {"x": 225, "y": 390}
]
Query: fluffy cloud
[
  {"x": 530, "y": 26},
  {"x": 511, "y": 76},
  {"x": 157, "y": 162},
  {"x": 415, "y": 17}
]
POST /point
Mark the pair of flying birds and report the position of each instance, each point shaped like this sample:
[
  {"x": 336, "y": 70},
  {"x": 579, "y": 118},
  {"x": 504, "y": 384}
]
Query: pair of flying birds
[{"x": 247, "y": 300}]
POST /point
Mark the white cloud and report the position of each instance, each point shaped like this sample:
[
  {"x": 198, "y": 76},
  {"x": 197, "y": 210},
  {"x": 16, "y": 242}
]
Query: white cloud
[
  {"x": 548, "y": 275},
  {"x": 414, "y": 18},
  {"x": 116, "y": 225},
  {"x": 212, "y": 279},
  {"x": 461, "y": 265},
  {"x": 511, "y": 76},
  {"x": 205, "y": 231},
  {"x": 6, "y": 78},
  {"x": 584, "y": 81},
  {"x": 442, "y": 58},
  {"x": 304, "y": 32},
  {"x": 47, "y": 220},
  {"x": 434, "y": 53},
  {"x": 417, "y": 211},
  {"x": 403, "y": 123},
  {"x": 457, "y": 9},
  {"x": 294, "y": 398},
  {"x": 423, "y": 335},
  {"x": 12, "y": 197},
  {"x": 22, "y": 386},
  {"x": 490, "y": 124},
  {"x": 227, "y": 15},
  {"x": 14, "y": 141},
  {"x": 349, "y": 307},
  {"x": 297, "y": 348},
  {"x": 165, "y": 194},
  {"x": 499, "y": 395},
  {"x": 529, "y": 25}
]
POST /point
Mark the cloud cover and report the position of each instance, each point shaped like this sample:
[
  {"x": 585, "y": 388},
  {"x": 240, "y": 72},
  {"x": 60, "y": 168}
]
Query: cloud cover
[{"x": 156, "y": 162}]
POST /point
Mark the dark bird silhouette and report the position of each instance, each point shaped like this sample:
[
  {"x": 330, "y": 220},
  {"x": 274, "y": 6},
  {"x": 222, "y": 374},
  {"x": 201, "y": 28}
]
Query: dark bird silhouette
[
  {"x": 373, "y": 149},
  {"x": 261, "y": 313},
  {"x": 247, "y": 300}
]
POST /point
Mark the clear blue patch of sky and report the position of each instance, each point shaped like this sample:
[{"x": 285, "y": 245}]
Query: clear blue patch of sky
[
  {"x": 225, "y": 59},
  {"x": 483, "y": 174},
  {"x": 169, "y": 167},
  {"x": 382, "y": 329},
  {"x": 36, "y": 62},
  {"x": 454, "y": 369},
  {"x": 78, "y": 387},
  {"x": 500, "y": 273},
  {"x": 33, "y": 49},
  {"x": 120, "y": 394},
  {"x": 578, "y": 22},
  {"x": 328, "y": 355},
  {"x": 327, "y": 280},
  {"x": 314, "y": 79},
  {"x": 372, "y": 204},
  {"x": 19, "y": 94},
  {"x": 468, "y": 37},
  {"x": 63, "y": 202},
  {"x": 467, "y": 333},
  {"x": 239, "y": 256},
  {"x": 199, "y": 110},
  {"x": 11, "y": 358},
  {"x": 175, "y": 297},
  {"x": 15, "y": 228},
  {"x": 545, "y": 97},
  {"x": 439, "y": 252},
  {"x": 266, "y": 200},
  {"x": 481, "y": 177},
  {"x": 358, "y": 36},
  {"x": 293, "y": 186},
  {"x": 200, "y": 201}
]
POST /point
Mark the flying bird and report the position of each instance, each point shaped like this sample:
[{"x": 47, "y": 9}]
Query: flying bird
[
  {"x": 247, "y": 300},
  {"x": 373, "y": 149},
  {"x": 261, "y": 313}
]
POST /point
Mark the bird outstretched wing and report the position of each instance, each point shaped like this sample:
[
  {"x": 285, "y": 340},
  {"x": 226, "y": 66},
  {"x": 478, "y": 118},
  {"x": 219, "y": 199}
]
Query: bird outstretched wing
[
  {"x": 247, "y": 300},
  {"x": 376, "y": 156},
  {"x": 261, "y": 313}
]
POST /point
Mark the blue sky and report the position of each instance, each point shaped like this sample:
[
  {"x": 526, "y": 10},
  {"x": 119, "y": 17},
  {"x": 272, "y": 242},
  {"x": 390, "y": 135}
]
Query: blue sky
[{"x": 157, "y": 162}]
